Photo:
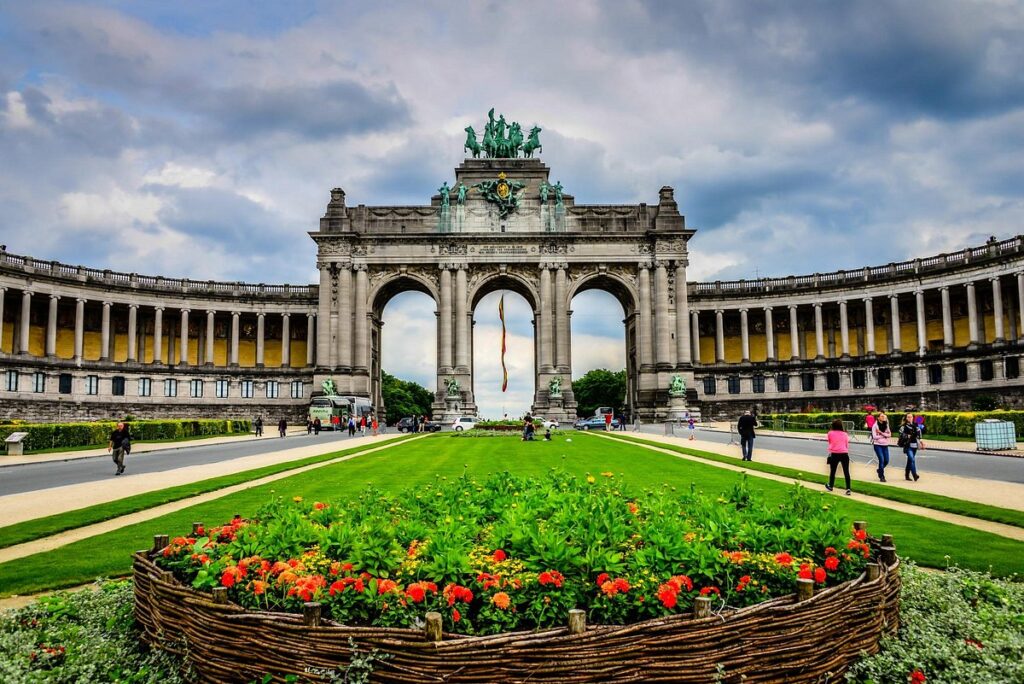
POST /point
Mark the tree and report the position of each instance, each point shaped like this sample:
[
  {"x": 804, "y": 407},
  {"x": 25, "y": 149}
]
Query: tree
[
  {"x": 404, "y": 398},
  {"x": 600, "y": 387}
]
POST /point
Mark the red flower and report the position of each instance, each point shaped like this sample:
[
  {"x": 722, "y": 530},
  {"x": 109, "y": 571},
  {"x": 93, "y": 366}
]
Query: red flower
[
  {"x": 499, "y": 556},
  {"x": 259, "y": 587},
  {"x": 784, "y": 559},
  {"x": 667, "y": 594},
  {"x": 621, "y": 584},
  {"x": 917, "y": 677},
  {"x": 231, "y": 575},
  {"x": 319, "y": 506},
  {"x": 609, "y": 588},
  {"x": 456, "y": 615},
  {"x": 337, "y": 587},
  {"x": 386, "y": 585},
  {"x": 633, "y": 508},
  {"x": 744, "y": 581},
  {"x": 861, "y": 535},
  {"x": 453, "y": 593},
  {"x": 832, "y": 563},
  {"x": 416, "y": 593},
  {"x": 552, "y": 577},
  {"x": 819, "y": 575},
  {"x": 805, "y": 571},
  {"x": 710, "y": 590},
  {"x": 976, "y": 644},
  {"x": 602, "y": 578},
  {"x": 830, "y": 550}
]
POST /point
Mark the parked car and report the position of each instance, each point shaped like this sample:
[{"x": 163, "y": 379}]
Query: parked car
[
  {"x": 431, "y": 426},
  {"x": 406, "y": 425},
  {"x": 463, "y": 423},
  {"x": 594, "y": 423},
  {"x": 550, "y": 423}
]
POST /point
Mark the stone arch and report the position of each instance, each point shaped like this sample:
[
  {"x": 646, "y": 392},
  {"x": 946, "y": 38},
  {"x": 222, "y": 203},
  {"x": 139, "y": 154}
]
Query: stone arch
[
  {"x": 491, "y": 282},
  {"x": 617, "y": 285},
  {"x": 395, "y": 284}
]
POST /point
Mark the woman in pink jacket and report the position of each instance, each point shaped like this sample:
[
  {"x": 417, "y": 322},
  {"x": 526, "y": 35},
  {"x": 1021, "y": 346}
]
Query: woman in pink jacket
[
  {"x": 838, "y": 453},
  {"x": 880, "y": 434}
]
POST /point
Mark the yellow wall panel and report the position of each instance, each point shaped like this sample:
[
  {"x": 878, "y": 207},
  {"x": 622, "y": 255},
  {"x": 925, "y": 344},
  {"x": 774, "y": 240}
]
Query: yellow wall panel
[
  {"x": 707, "y": 349},
  {"x": 247, "y": 353},
  {"x": 36, "y": 341},
  {"x": 66, "y": 343},
  {"x": 961, "y": 337},
  {"x": 7, "y": 343},
  {"x": 91, "y": 346},
  {"x": 299, "y": 350},
  {"x": 272, "y": 353},
  {"x": 220, "y": 352},
  {"x": 758, "y": 348},
  {"x": 733, "y": 350}
]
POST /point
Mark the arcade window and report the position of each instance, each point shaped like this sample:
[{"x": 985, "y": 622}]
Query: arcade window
[
  {"x": 298, "y": 391},
  {"x": 807, "y": 381},
  {"x": 734, "y": 384},
  {"x": 92, "y": 384},
  {"x": 220, "y": 388},
  {"x": 170, "y": 388},
  {"x": 986, "y": 369},
  {"x": 832, "y": 380},
  {"x": 1012, "y": 366},
  {"x": 11, "y": 381},
  {"x": 709, "y": 386},
  {"x": 960, "y": 371},
  {"x": 757, "y": 384},
  {"x": 935, "y": 374},
  {"x": 195, "y": 388},
  {"x": 909, "y": 376},
  {"x": 884, "y": 377},
  {"x": 145, "y": 387},
  {"x": 117, "y": 385},
  {"x": 64, "y": 383},
  {"x": 272, "y": 389},
  {"x": 248, "y": 388},
  {"x": 38, "y": 382},
  {"x": 782, "y": 383},
  {"x": 860, "y": 379}
]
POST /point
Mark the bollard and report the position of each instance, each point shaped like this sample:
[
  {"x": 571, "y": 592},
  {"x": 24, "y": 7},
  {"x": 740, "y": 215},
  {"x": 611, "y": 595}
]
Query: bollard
[
  {"x": 577, "y": 621},
  {"x": 311, "y": 614},
  {"x": 888, "y": 554},
  {"x": 887, "y": 540},
  {"x": 873, "y": 571},
  {"x": 160, "y": 542},
  {"x": 196, "y": 526},
  {"x": 702, "y": 607},
  {"x": 432, "y": 628},
  {"x": 220, "y": 594},
  {"x": 670, "y": 429},
  {"x": 860, "y": 525},
  {"x": 804, "y": 589}
]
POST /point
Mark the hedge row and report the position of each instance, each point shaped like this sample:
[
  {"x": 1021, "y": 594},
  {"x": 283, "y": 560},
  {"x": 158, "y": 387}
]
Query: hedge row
[
  {"x": 947, "y": 423},
  {"x": 70, "y": 435}
]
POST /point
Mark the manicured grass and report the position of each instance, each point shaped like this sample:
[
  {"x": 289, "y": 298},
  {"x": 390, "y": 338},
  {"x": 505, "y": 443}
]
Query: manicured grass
[
  {"x": 948, "y": 504},
  {"x": 52, "y": 524},
  {"x": 929, "y": 542}
]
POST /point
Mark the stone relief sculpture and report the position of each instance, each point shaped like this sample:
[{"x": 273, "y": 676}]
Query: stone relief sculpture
[
  {"x": 555, "y": 387},
  {"x": 461, "y": 193},
  {"x": 678, "y": 386},
  {"x": 329, "y": 388},
  {"x": 453, "y": 387},
  {"x": 445, "y": 194}
]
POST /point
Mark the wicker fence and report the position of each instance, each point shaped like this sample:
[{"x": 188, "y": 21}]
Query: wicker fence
[{"x": 805, "y": 637}]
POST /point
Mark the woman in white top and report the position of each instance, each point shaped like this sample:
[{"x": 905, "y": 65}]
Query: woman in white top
[{"x": 880, "y": 434}]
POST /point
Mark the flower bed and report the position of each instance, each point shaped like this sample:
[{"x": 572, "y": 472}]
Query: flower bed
[{"x": 489, "y": 560}]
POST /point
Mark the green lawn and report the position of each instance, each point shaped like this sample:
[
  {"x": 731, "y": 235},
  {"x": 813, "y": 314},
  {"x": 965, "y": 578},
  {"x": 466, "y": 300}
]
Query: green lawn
[
  {"x": 929, "y": 542},
  {"x": 52, "y": 524}
]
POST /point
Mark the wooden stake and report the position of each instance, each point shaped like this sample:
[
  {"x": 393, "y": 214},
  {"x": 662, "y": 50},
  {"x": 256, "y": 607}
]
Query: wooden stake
[
  {"x": 860, "y": 525},
  {"x": 804, "y": 589},
  {"x": 873, "y": 571},
  {"x": 888, "y": 554},
  {"x": 577, "y": 621},
  {"x": 220, "y": 594},
  {"x": 432, "y": 629},
  {"x": 196, "y": 526},
  {"x": 160, "y": 541},
  {"x": 702, "y": 607},
  {"x": 887, "y": 540},
  {"x": 311, "y": 614}
]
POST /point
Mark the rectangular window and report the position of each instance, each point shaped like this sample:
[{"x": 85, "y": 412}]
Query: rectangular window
[
  {"x": 221, "y": 388},
  {"x": 64, "y": 383},
  {"x": 11, "y": 381},
  {"x": 195, "y": 388},
  {"x": 935, "y": 374},
  {"x": 38, "y": 382},
  {"x": 170, "y": 387},
  {"x": 1012, "y": 367},
  {"x": 298, "y": 391},
  {"x": 709, "y": 386},
  {"x": 92, "y": 384},
  {"x": 960, "y": 371},
  {"x": 986, "y": 370},
  {"x": 884, "y": 377},
  {"x": 734, "y": 384},
  {"x": 117, "y": 385},
  {"x": 909, "y": 376},
  {"x": 757, "y": 384},
  {"x": 860, "y": 379},
  {"x": 832, "y": 380},
  {"x": 145, "y": 387},
  {"x": 272, "y": 389},
  {"x": 807, "y": 380},
  {"x": 248, "y": 388},
  {"x": 782, "y": 382}
]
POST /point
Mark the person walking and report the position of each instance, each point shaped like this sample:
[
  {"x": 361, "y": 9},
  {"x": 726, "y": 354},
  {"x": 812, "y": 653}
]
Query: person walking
[
  {"x": 309, "y": 426},
  {"x": 910, "y": 441},
  {"x": 880, "y": 434},
  {"x": 746, "y": 426},
  {"x": 691, "y": 427},
  {"x": 258, "y": 424},
  {"x": 282, "y": 427},
  {"x": 351, "y": 426},
  {"x": 607, "y": 422},
  {"x": 317, "y": 425},
  {"x": 373, "y": 425},
  {"x": 119, "y": 445},
  {"x": 838, "y": 454}
]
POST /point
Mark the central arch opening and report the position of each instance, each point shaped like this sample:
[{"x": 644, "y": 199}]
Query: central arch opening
[
  {"x": 404, "y": 351},
  {"x": 603, "y": 347},
  {"x": 520, "y": 353}
]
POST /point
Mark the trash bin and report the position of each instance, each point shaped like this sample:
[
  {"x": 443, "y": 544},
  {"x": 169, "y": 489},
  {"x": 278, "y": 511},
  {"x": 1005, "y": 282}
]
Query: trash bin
[{"x": 995, "y": 435}]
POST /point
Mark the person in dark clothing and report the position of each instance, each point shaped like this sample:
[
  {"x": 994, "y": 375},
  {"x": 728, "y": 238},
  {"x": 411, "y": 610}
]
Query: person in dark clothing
[
  {"x": 120, "y": 444},
  {"x": 309, "y": 426},
  {"x": 258, "y": 425},
  {"x": 317, "y": 425},
  {"x": 282, "y": 427},
  {"x": 745, "y": 426},
  {"x": 910, "y": 441}
]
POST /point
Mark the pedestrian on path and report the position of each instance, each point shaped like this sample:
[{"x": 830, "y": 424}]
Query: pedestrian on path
[
  {"x": 910, "y": 441},
  {"x": 309, "y": 426},
  {"x": 746, "y": 426},
  {"x": 838, "y": 454},
  {"x": 691, "y": 427},
  {"x": 258, "y": 424},
  {"x": 880, "y": 434},
  {"x": 317, "y": 426},
  {"x": 362, "y": 425},
  {"x": 282, "y": 427},
  {"x": 373, "y": 423},
  {"x": 607, "y": 422},
  {"x": 351, "y": 426},
  {"x": 120, "y": 442}
]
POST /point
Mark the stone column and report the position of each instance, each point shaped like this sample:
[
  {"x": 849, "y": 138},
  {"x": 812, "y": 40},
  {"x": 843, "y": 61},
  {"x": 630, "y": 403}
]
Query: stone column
[
  {"x": 261, "y": 347},
  {"x": 344, "y": 355},
  {"x": 683, "y": 354},
  {"x": 51, "y": 326},
  {"x": 461, "y": 323},
  {"x": 646, "y": 329},
  {"x": 233, "y": 351},
  {"x": 922, "y": 330},
  {"x": 79, "y": 329},
  {"x": 361, "y": 357},
  {"x": 310, "y": 339},
  {"x": 561, "y": 320},
  {"x": 105, "y": 333},
  {"x": 719, "y": 336},
  {"x": 324, "y": 352},
  {"x": 545, "y": 317},
  {"x": 997, "y": 311},
  {"x": 744, "y": 337},
  {"x": 286, "y": 340},
  {"x": 662, "y": 317},
  {"x": 158, "y": 334},
  {"x": 844, "y": 329},
  {"x": 3, "y": 291},
  {"x": 1020, "y": 307},
  {"x": 26, "y": 321},
  {"x": 183, "y": 338},
  {"x": 769, "y": 333},
  {"x": 869, "y": 326},
  {"x": 444, "y": 323},
  {"x": 210, "y": 317},
  {"x": 695, "y": 335},
  {"x": 897, "y": 340},
  {"x": 947, "y": 319},
  {"x": 972, "y": 317},
  {"x": 794, "y": 334},
  {"x": 819, "y": 336},
  {"x": 133, "y": 325}
]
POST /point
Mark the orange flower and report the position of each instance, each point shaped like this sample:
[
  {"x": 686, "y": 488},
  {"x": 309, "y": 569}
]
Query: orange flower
[
  {"x": 552, "y": 577},
  {"x": 386, "y": 585},
  {"x": 609, "y": 588},
  {"x": 784, "y": 559},
  {"x": 633, "y": 508},
  {"x": 319, "y": 506},
  {"x": 259, "y": 587},
  {"x": 501, "y": 600},
  {"x": 621, "y": 584},
  {"x": 602, "y": 578}
]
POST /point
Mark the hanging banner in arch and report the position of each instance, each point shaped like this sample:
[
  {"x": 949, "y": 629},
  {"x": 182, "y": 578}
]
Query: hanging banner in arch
[{"x": 501, "y": 316}]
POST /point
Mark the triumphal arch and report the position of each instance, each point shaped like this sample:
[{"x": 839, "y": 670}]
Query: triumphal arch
[{"x": 505, "y": 223}]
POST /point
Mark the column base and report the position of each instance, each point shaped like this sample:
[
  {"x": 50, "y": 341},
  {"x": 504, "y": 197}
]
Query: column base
[
  {"x": 973, "y": 345},
  {"x": 844, "y": 357},
  {"x": 999, "y": 342},
  {"x": 870, "y": 355},
  {"x": 947, "y": 347}
]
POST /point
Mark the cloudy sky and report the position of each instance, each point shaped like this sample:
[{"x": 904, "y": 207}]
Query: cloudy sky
[{"x": 201, "y": 138}]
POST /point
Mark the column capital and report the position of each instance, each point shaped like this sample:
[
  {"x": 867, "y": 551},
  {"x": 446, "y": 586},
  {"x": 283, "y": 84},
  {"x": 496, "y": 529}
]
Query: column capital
[
  {"x": 155, "y": 308},
  {"x": 994, "y": 278},
  {"x": 54, "y": 296},
  {"x": 184, "y": 311},
  {"x": 211, "y": 312},
  {"x": 768, "y": 309},
  {"x": 816, "y": 305},
  {"x": 867, "y": 299},
  {"x": 108, "y": 303},
  {"x": 894, "y": 295},
  {"x": 719, "y": 311},
  {"x": 793, "y": 307},
  {"x": 236, "y": 313},
  {"x": 133, "y": 306},
  {"x": 82, "y": 300},
  {"x": 743, "y": 310},
  {"x": 260, "y": 314},
  {"x": 359, "y": 267},
  {"x": 286, "y": 314},
  {"x": 944, "y": 288},
  {"x": 643, "y": 265},
  {"x": 311, "y": 315}
]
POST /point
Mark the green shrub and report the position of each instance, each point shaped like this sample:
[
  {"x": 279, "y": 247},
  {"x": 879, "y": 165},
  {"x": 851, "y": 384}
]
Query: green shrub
[
  {"x": 946, "y": 423},
  {"x": 73, "y": 435}
]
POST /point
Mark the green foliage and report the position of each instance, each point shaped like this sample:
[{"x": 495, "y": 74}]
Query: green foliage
[
  {"x": 404, "y": 398},
  {"x": 985, "y": 402},
  {"x": 600, "y": 387},
  {"x": 945, "y": 423},
  {"x": 956, "y": 626},
  {"x": 72, "y": 435}
]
